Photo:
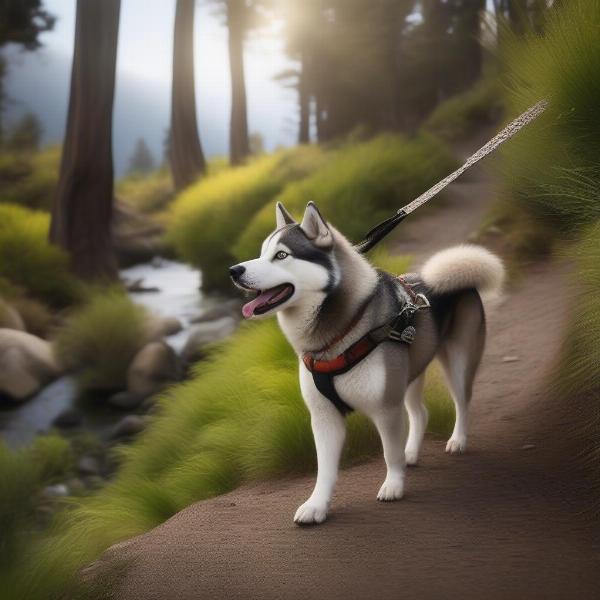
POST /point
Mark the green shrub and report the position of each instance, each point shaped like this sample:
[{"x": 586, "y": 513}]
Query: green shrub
[
  {"x": 147, "y": 193},
  {"x": 29, "y": 179},
  {"x": 209, "y": 216},
  {"x": 29, "y": 261},
  {"x": 358, "y": 186},
  {"x": 461, "y": 115},
  {"x": 240, "y": 417},
  {"x": 548, "y": 163},
  {"x": 23, "y": 473},
  {"x": 578, "y": 374},
  {"x": 100, "y": 339}
]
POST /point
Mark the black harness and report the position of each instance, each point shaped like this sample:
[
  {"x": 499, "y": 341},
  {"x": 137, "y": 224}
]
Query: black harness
[{"x": 400, "y": 330}]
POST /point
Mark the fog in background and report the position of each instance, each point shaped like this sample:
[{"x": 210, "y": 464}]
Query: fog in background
[{"x": 38, "y": 82}]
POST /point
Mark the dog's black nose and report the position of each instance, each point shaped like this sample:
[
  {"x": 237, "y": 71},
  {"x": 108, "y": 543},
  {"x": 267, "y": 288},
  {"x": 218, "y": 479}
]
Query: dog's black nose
[{"x": 236, "y": 272}]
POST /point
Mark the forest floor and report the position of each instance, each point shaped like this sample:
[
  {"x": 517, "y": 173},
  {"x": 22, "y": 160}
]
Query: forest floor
[{"x": 503, "y": 520}]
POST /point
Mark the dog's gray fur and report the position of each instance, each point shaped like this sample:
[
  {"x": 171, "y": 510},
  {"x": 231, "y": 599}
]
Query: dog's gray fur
[{"x": 331, "y": 282}]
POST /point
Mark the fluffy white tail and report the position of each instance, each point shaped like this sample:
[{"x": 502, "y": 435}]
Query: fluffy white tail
[{"x": 462, "y": 267}]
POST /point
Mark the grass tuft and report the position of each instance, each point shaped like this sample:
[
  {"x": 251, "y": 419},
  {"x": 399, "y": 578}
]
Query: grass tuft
[
  {"x": 460, "y": 116},
  {"x": 29, "y": 261},
  {"x": 209, "y": 216},
  {"x": 101, "y": 338},
  {"x": 29, "y": 180},
  {"x": 549, "y": 164},
  {"x": 357, "y": 186}
]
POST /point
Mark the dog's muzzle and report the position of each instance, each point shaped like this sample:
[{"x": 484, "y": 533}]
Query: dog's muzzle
[{"x": 236, "y": 272}]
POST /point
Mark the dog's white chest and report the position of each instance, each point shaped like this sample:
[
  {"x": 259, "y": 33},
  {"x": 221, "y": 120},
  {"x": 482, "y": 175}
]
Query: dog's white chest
[{"x": 363, "y": 387}]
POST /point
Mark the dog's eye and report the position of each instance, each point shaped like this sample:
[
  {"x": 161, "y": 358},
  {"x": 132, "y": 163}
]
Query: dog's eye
[{"x": 281, "y": 255}]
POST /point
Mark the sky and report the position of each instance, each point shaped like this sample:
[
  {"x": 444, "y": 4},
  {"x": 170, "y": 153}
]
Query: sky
[{"x": 39, "y": 82}]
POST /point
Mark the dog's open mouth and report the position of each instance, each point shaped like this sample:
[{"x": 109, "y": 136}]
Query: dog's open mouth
[{"x": 268, "y": 300}]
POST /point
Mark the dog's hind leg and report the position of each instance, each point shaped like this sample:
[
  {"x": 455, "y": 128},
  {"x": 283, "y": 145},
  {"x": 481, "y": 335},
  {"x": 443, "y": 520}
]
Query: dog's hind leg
[
  {"x": 459, "y": 356},
  {"x": 392, "y": 429},
  {"x": 417, "y": 418}
]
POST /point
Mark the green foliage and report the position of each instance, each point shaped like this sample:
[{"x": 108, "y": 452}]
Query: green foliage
[
  {"x": 141, "y": 161},
  {"x": 358, "y": 186},
  {"x": 29, "y": 179},
  {"x": 461, "y": 115},
  {"x": 23, "y": 473},
  {"x": 240, "y": 417},
  {"x": 579, "y": 372},
  {"x": 100, "y": 339},
  {"x": 147, "y": 193},
  {"x": 209, "y": 216},
  {"x": 29, "y": 261},
  {"x": 26, "y": 135},
  {"x": 548, "y": 163}
]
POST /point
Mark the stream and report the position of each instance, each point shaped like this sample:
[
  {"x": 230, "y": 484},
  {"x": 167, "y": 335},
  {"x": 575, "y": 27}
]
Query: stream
[{"x": 177, "y": 295}]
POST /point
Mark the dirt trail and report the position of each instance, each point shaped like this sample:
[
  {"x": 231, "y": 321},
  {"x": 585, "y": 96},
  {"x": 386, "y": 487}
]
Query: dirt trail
[{"x": 502, "y": 521}]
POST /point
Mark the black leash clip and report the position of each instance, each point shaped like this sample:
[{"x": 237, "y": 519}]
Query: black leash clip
[{"x": 402, "y": 329}]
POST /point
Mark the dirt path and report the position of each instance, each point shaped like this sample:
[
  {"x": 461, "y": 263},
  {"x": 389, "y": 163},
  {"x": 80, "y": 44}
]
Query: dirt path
[{"x": 502, "y": 521}]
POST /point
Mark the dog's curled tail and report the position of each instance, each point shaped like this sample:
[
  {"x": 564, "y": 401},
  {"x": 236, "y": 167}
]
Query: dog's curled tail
[{"x": 463, "y": 267}]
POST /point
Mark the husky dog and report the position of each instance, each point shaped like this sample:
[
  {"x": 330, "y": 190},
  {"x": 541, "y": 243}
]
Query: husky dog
[{"x": 327, "y": 296}]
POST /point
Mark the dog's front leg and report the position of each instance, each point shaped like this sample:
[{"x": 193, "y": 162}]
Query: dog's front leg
[
  {"x": 329, "y": 431},
  {"x": 390, "y": 424}
]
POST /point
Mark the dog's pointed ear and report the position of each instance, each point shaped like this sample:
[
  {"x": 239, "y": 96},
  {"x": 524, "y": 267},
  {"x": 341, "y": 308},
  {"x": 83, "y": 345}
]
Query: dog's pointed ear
[
  {"x": 315, "y": 227},
  {"x": 282, "y": 216}
]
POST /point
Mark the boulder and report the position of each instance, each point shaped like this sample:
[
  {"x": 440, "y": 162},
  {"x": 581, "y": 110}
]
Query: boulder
[
  {"x": 71, "y": 417},
  {"x": 27, "y": 363},
  {"x": 153, "y": 367},
  {"x": 203, "y": 334},
  {"x": 160, "y": 327},
  {"x": 128, "y": 426},
  {"x": 228, "y": 308},
  {"x": 125, "y": 401},
  {"x": 58, "y": 490},
  {"x": 10, "y": 317},
  {"x": 88, "y": 465}
]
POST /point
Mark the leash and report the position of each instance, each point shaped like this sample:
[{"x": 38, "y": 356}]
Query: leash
[{"x": 375, "y": 235}]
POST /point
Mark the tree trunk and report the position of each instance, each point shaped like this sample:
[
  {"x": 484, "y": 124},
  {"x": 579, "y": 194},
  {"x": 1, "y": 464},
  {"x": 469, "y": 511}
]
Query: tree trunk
[
  {"x": 517, "y": 16},
  {"x": 304, "y": 101},
  {"x": 239, "y": 147},
  {"x": 471, "y": 58},
  {"x": 82, "y": 207},
  {"x": 185, "y": 153}
]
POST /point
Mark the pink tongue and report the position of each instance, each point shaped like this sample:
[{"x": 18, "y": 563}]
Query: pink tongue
[{"x": 248, "y": 309}]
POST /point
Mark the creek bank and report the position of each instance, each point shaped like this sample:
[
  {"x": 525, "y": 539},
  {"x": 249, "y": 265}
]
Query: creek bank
[{"x": 184, "y": 318}]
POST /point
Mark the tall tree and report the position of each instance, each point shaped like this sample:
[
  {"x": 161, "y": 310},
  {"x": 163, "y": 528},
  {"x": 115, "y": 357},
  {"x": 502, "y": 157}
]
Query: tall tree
[
  {"x": 141, "y": 161},
  {"x": 237, "y": 22},
  {"x": 185, "y": 150},
  {"x": 21, "y": 22},
  {"x": 83, "y": 203}
]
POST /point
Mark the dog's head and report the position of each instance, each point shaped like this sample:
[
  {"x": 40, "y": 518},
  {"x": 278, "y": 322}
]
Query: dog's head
[{"x": 296, "y": 265}]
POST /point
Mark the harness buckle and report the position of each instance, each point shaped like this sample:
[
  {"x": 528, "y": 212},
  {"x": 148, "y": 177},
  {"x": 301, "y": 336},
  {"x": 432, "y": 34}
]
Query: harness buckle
[{"x": 402, "y": 330}]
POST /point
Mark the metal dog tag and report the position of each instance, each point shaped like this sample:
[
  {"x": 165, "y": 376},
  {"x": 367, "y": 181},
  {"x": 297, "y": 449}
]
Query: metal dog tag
[{"x": 408, "y": 335}]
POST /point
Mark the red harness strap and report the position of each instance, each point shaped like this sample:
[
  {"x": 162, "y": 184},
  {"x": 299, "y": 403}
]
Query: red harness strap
[
  {"x": 399, "y": 330},
  {"x": 343, "y": 362},
  {"x": 357, "y": 351}
]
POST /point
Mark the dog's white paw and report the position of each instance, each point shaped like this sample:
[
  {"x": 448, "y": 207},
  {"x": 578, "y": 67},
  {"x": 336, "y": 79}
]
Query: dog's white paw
[
  {"x": 392, "y": 489},
  {"x": 311, "y": 512},
  {"x": 412, "y": 456},
  {"x": 456, "y": 445}
]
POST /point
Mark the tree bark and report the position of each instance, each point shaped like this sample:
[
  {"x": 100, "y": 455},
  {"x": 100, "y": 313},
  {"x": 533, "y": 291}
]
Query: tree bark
[
  {"x": 304, "y": 101},
  {"x": 83, "y": 202},
  {"x": 517, "y": 15},
  {"x": 239, "y": 147},
  {"x": 185, "y": 154}
]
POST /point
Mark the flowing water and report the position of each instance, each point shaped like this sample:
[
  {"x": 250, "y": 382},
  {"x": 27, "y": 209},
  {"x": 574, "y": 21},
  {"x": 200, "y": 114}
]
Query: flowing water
[{"x": 177, "y": 295}]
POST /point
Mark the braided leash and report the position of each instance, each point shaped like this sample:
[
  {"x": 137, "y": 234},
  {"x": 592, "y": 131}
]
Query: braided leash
[{"x": 385, "y": 227}]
